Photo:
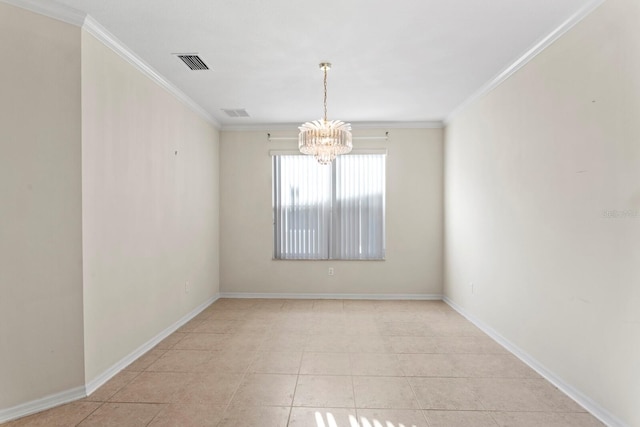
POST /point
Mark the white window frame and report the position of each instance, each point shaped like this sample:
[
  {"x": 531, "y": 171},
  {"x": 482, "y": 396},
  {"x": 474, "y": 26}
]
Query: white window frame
[{"x": 332, "y": 246}]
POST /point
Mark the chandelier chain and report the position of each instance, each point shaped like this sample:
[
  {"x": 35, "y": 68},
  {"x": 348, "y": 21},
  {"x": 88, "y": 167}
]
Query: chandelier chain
[{"x": 325, "y": 94}]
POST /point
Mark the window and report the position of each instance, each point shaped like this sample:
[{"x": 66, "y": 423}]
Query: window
[{"x": 329, "y": 212}]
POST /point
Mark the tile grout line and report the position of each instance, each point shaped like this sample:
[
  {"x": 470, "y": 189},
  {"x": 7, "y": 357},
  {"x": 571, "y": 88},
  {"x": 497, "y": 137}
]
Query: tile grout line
[
  {"x": 415, "y": 395},
  {"x": 90, "y": 413},
  {"x": 353, "y": 384},
  {"x": 233, "y": 395},
  {"x": 103, "y": 402},
  {"x": 295, "y": 388},
  {"x": 166, "y": 350},
  {"x": 353, "y": 390},
  {"x": 211, "y": 357}
]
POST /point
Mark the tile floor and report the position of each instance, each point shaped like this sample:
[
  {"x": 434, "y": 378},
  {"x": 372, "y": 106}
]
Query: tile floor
[{"x": 323, "y": 363}]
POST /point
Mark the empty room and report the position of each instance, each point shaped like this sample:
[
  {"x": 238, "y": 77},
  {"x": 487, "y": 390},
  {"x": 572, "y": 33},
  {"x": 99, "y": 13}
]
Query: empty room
[{"x": 320, "y": 214}]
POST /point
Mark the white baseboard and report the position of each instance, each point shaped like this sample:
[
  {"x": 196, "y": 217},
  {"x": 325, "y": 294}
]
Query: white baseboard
[
  {"x": 67, "y": 396},
  {"x": 429, "y": 297},
  {"x": 586, "y": 402},
  {"x": 98, "y": 381},
  {"x": 70, "y": 395},
  {"x": 41, "y": 404}
]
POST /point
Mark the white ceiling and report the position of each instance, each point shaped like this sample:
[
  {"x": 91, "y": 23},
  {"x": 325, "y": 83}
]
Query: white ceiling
[{"x": 400, "y": 61}]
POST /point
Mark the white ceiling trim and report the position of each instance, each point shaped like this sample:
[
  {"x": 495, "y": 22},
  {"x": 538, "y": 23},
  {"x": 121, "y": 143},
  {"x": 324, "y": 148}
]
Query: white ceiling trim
[
  {"x": 526, "y": 57},
  {"x": 417, "y": 297},
  {"x": 427, "y": 124},
  {"x": 431, "y": 124},
  {"x": 75, "y": 17},
  {"x": 92, "y": 27},
  {"x": 51, "y": 9}
]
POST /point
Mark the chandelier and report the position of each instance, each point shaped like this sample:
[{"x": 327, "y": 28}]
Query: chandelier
[{"x": 325, "y": 139}]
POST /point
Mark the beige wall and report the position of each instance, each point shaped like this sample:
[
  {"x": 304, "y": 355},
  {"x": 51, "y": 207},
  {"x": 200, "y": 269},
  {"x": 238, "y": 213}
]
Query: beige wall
[
  {"x": 150, "y": 207},
  {"x": 530, "y": 170},
  {"x": 413, "y": 221},
  {"x": 40, "y": 207}
]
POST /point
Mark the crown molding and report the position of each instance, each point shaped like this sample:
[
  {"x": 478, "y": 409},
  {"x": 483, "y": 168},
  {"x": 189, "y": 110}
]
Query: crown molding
[
  {"x": 94, "y": 28},
  {"x": 541, "y": 45},
  {"x": 260, "y": 127},
  {"x": 266, "y": 127},
  {"x": 51, "y": 9},
  {"x": 427, "y": 124},
  {"x": 78, "y": 18}
]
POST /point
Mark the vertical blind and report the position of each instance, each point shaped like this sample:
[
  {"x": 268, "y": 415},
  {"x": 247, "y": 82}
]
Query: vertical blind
[
  {"x": 302, "y": 207},
  {"x": 329, "y": 212}
]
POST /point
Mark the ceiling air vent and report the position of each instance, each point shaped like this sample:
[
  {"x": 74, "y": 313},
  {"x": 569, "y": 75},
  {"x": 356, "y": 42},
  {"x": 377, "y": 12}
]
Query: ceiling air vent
[
  {"x": 194, "y": 62},
  {"x": 236, "y": 112}
]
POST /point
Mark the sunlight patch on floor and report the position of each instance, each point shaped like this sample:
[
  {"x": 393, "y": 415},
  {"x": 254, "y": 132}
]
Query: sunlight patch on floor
[
  {"x": 328, "y": 420},
  {"x": 331, "y": 420},
  {"x": 376, "y": 423}
]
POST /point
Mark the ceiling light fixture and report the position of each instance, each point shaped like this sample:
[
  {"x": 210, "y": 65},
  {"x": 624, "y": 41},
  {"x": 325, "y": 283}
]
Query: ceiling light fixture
[{"x": 325, "y": 139}]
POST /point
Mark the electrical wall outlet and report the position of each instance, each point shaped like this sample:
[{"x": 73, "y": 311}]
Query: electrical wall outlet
[
  {"x": 330, "y": 271},
  {"x": 187, "y": 288}
]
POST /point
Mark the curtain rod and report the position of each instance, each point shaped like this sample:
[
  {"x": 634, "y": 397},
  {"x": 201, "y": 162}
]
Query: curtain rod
[{"x": 293, "y": 138}]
